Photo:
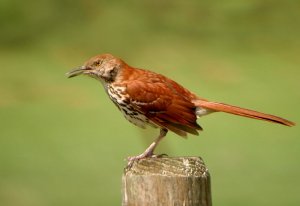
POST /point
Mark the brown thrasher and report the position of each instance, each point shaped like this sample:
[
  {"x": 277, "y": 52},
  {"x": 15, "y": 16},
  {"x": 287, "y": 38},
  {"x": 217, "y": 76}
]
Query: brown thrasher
[{"x": 147, "y": 98}]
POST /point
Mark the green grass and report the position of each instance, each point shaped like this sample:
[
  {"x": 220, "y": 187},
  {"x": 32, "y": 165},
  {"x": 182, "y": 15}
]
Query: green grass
[{"x": 62, "y": 142}]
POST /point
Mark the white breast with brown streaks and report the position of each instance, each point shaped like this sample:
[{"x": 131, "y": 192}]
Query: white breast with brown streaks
[{"x": 116, "y": 94}]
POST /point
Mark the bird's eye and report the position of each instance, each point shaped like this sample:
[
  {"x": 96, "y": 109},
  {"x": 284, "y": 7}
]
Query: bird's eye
[{"x": 97, "y": 63}]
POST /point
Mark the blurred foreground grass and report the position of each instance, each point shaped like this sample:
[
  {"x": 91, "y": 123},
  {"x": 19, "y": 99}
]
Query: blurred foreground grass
[{"x": 62, "y": 142}]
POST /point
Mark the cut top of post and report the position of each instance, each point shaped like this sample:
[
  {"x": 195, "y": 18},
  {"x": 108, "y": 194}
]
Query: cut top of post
[
  {"x": 169, "y": 166},
  {"x": 167, "y": 181}
]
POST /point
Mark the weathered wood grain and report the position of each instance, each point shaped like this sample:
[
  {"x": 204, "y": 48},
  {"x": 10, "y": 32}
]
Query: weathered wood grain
[{"x": 167, "y": 181}]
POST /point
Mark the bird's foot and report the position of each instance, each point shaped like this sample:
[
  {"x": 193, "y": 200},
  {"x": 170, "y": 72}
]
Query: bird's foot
[
  {"x": 132, "y": 159},
  {"x": 149, "y": 151},
  {"x": 144, "y": 155},
  {"x": 159, "y": 155}
]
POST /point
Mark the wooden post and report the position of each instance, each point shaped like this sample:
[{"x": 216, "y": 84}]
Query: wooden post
[{"x": 167, "y": 181}]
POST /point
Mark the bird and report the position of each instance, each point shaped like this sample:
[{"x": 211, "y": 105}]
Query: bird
[{"x": 147, "y": 98}]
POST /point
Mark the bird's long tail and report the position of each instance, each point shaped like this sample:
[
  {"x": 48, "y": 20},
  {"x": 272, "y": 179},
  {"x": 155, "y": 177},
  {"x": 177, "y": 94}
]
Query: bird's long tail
[{"x": 221, "y": 107}]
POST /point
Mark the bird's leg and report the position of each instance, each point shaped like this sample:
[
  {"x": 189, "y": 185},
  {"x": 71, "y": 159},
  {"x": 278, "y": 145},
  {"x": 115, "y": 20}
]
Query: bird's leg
[{"x": 149, "y": 151}]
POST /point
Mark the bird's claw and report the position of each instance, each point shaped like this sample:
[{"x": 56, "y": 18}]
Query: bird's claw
[
  {"x": 159, "y": 155},
  {"x": 132, "y": 159}
]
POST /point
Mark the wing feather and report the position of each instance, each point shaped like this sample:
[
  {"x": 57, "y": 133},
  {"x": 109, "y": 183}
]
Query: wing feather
[{"x": 165, "y": 103}]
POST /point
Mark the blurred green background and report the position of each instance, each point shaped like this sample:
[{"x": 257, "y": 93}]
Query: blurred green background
[{"x": 62, "y": 142}]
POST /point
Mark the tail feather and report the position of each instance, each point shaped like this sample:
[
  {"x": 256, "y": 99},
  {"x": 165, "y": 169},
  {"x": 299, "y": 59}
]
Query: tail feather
[{"x": 215, "y": 106}]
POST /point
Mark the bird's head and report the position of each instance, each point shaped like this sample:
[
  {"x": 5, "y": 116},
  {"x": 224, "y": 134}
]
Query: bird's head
[{"x": 104, "y": 67}]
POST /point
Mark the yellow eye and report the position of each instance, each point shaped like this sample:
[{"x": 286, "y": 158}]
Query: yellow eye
[{"x": 97, "y": 63}]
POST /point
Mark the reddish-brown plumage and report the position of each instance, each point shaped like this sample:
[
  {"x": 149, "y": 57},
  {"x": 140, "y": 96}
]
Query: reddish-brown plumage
[
  {"x": 148, "y": 98},
  {"x": 160, "y": 99}
]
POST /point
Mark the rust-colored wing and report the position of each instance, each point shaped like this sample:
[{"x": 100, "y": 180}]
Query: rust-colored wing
[{"x": 165, "y": 103}]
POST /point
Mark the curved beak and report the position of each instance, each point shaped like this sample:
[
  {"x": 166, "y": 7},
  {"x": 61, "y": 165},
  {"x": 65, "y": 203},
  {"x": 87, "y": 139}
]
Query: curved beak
[{"x": 77, "y": 71}]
